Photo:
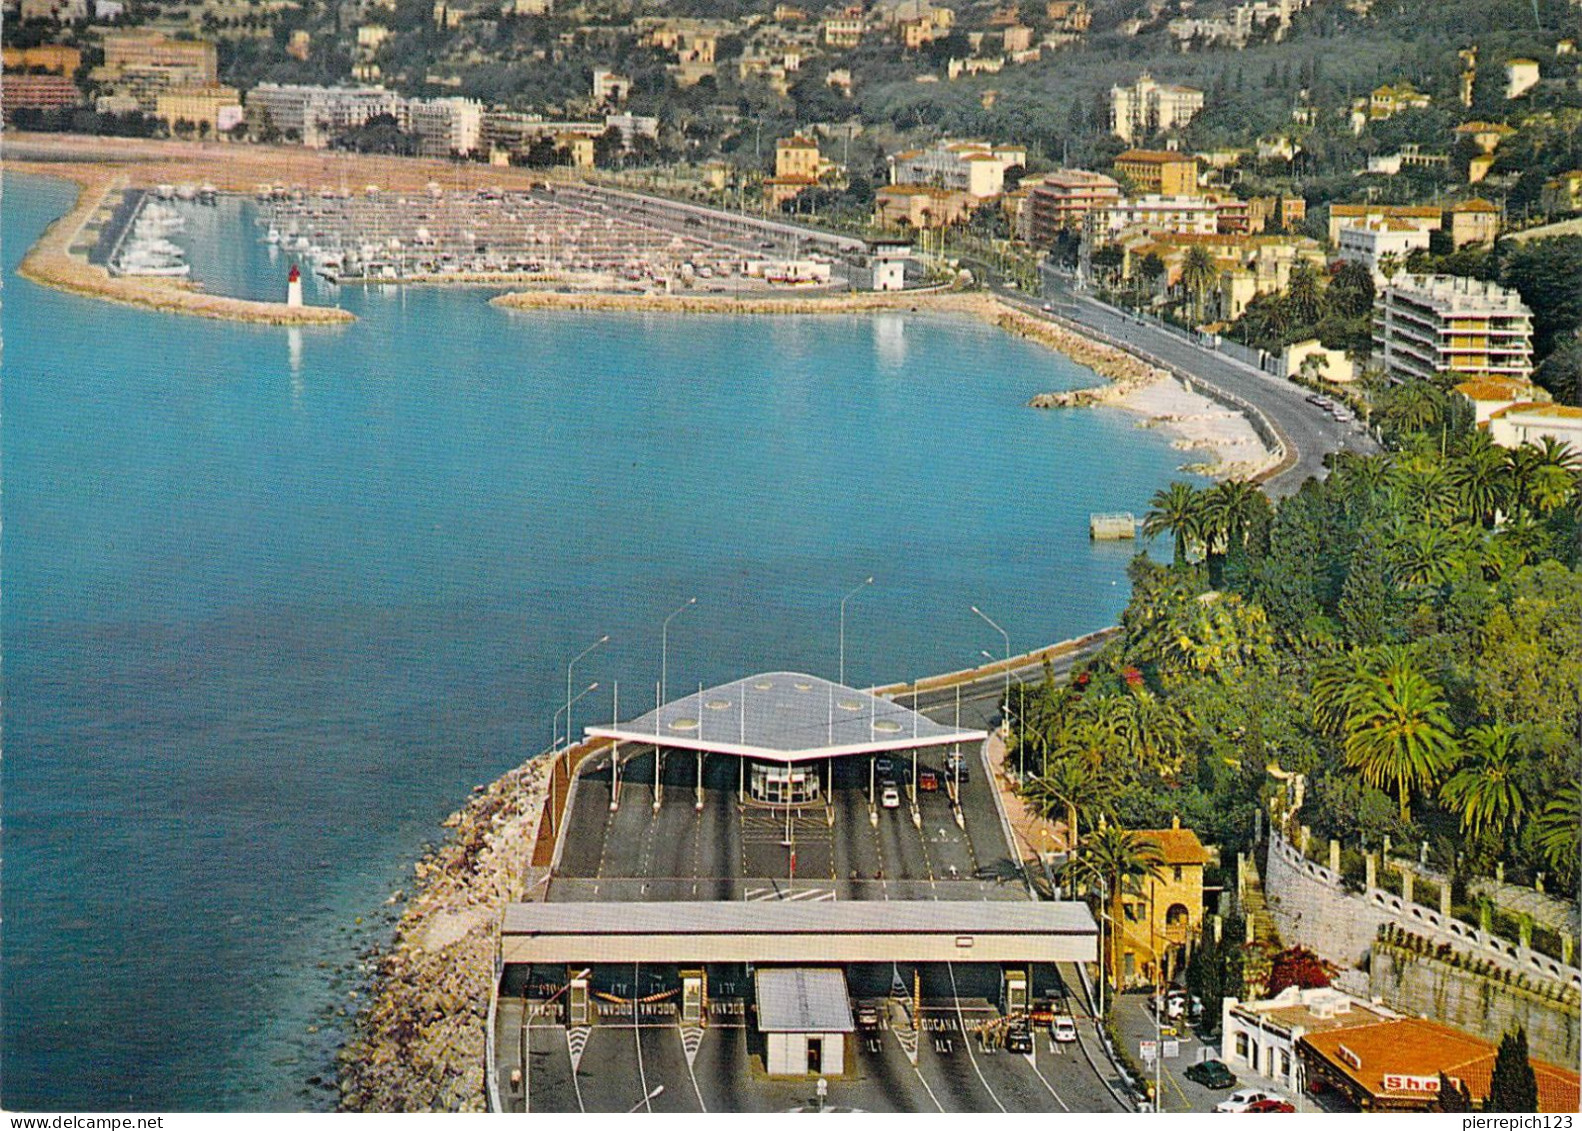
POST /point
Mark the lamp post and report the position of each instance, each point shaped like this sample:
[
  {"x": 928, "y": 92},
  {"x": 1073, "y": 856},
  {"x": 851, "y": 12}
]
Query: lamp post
[
  {"x": 569, "y": 666},
  {"x": 664, "y": 646},
  {"x": 554, "y": 757},
  {"x": 843, "y": 600},
  {"x": 985, "y": 618},
  {"x": 653, "y": 1095}
]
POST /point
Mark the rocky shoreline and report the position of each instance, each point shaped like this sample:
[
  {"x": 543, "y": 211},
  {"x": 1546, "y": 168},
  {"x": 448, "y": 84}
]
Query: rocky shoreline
[{"x": 419, "y": 1045}]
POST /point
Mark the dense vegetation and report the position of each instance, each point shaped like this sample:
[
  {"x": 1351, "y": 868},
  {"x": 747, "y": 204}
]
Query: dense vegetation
[{"x": 1407, "y": 633}]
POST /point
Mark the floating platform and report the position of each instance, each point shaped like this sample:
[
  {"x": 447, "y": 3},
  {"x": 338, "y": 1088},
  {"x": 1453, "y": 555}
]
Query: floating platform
[{"x": 1112, "y": 527}]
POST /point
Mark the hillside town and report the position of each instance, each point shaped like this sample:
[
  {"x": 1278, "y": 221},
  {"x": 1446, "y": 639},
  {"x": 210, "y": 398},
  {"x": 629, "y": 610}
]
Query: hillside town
[{"x": 1321, "y": 788}]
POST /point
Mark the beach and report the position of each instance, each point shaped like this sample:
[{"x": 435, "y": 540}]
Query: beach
[{"x": 1223, "y": 436}]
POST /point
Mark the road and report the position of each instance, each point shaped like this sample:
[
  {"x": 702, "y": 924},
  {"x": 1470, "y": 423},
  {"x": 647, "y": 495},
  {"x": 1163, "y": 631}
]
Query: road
[
  {"x": 1310, "y": 434},
  {"x": 846, "y": 849}
]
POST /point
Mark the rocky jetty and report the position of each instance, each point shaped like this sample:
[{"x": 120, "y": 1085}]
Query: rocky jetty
[{"x": 419, "y": 1046}]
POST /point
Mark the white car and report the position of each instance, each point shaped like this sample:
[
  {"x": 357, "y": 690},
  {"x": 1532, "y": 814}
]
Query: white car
[
  {"x": 1063, "y": 1029},
  {"x": 890, "y": 797},
  {"x": 1243, "y": 1098}
]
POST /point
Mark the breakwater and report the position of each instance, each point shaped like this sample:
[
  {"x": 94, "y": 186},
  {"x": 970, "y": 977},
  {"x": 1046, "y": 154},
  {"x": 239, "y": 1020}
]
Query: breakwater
[{"x": 59, "y": 259}]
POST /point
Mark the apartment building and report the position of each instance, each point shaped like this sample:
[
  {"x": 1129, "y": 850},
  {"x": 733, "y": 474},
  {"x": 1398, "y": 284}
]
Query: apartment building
[
  {"x": 446, "y": 125},
  {"x": 976, "y": 168},
  {"x": 1428, "y": 217},
  {"x": 1158, "y": 171},
  {"x": 1148, "y": 107},
  {"x": 1446, "y": 328},
  {"x": 1380, "y": 245},
  {"x": 1184, "y": 215},
  {"x": 319, "y": 114},
  {"x": 1064, "y": 199}
]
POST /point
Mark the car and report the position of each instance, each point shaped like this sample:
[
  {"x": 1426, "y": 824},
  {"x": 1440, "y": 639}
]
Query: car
[
  {"x": 1019, "y": 1038},
  {"x": 1047, "y": 308},
  {"x": 927, "y": 781},
  {"x": 890, "y": 797},
  {"x": 867, "y": 1017},
  {"x": 957, "y": 768},
  {"x": 1064, "y": 1029},
  {"x": 1269, "y": 1106},
  {"x": 1243, "y": 1098},
  {"x": 1211, "y": 1074},
  {"x": 884, "y": 765}
]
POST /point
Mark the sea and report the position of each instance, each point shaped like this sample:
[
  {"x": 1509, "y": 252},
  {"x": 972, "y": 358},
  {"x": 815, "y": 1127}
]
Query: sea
[{"x": 273, "y": 601}]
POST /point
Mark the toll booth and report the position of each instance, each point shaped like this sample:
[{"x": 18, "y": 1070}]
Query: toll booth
[
  {"x": 783, "y": 785},
  {"x": 694, "y": 997},
  {"x": 1013, "y": 992},
  {"x": 577, "y": 1006}
]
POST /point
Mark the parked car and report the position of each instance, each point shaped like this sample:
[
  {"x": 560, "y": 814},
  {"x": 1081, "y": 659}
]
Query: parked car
[
  {"x": 890, "y": 796},
  {"x": 1064, "y": 1029},
  {"x": 927, "y": 781},
  {"x": 1211, "y": 1074},
  {"x": 1243, "y": 1098},
  {"x": 1266, "y": 1107}
]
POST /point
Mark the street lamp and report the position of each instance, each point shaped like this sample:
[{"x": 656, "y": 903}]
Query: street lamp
[
  {"x": 664, "y": 645},
  {"x": 579, "y": 655},
  {"x": 985, "y": 618},
  {"x": 843, "y": 600},
  {"x": 653, "y": 1095},
  {"x": 554, "y": 756}
]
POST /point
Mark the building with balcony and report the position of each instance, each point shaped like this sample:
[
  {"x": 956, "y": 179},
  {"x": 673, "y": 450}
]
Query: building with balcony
[
  {"x": 1380, "y": 245},
  {"x": 1148, "y": 107},
  {"x": 1183, "y": 215},
  {"x": 1064, "y": 199},
  {"x": 976, "y": 168},
  {"x": 446, "y": 125},
  {"x": 1449, "y": 329},
  {"x": 1158, "y": 171}
]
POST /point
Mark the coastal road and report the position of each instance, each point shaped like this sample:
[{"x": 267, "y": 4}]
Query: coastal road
[{"x": 1310, "y": 433}]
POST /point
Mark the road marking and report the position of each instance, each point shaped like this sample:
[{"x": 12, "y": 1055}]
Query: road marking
[
  {"x": 691, "y": 1041},
  {"x": 966, "y": 1040},
  {"x": 637, "y": 1037},
  {"x": 800, "y": 895},
  {"x": 577, "y": 1042},
  {"x": 912, "y": 1056},
  {"x": 1032, "y": 1059},
  {"x": 576, "y": 1059}
]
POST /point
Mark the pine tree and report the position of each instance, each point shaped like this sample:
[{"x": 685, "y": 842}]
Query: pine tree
[{"x": 1513, "y": 1086}]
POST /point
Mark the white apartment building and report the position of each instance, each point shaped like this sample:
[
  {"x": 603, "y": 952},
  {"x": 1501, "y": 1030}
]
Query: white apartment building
[
  {"x": 1446, "y": 326},
  {"x": 445, "y": 125},
  {"x": 1148, "y": 107},
  {"x": 1368, "y": 242},
  {"x": 319, "y": 114},
  {"x": 976, "y": 168},
  {"x": 1183, "y": 215}
]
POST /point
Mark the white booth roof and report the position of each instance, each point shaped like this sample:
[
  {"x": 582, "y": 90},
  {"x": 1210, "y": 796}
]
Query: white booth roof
[{"x": 785, "y": 717}]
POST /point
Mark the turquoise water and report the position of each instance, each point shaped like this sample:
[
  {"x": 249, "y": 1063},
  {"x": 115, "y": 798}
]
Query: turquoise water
[{"x": 275, "y": 600}]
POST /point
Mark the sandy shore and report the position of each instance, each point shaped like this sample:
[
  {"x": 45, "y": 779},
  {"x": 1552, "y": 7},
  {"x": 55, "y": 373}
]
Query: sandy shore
[
  {"x": 420, "y": 1043},
  {"x": 59, "y": 260},
  {"x": 1201, "y": 424}
]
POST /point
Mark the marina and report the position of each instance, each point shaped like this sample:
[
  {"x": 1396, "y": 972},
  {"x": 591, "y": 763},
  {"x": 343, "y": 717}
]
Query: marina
[{"x": 545, "y": 235}]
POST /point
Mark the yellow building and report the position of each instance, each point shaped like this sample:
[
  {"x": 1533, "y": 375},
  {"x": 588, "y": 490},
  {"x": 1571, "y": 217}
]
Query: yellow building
[
  {"x": 920, "y": 206},
  {"x": 796, "y": 157},
  {"x": 578, "y": 148},
  {"x": 195, "y": 61},
  {"x": 51, "y": 57},
  {"x": 1473, "y": 221},
  {"x": 1165, "y": 916},
  {"x": 1158, "y": 171},
  {"x": 1563, "y": 193},
  {"x": 198, "y": 105}
]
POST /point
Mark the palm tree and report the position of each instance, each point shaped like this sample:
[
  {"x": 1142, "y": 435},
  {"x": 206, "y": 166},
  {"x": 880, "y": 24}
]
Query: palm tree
[
  {"x": 1414, "y": 406},
  {"x": 1302, "y": 293},
  {"x": 1389, "y": 264},
  {"x": 1398, "y": 730},
  {"x": 1229, "y": 510},
  {"x": 1178, "y": 510},
  {"x": 1481, "y": 479},
  {"x": 1154, "y": 734},
  {"x": 1198, "y": 274},
  {"x": 1557, "y": 829},
  {"x": 1555, "y": 479},
  {"x": 1072, "y": 789},
  {"x": 1120, "y": 859},
  {"x": 1483, "y": 791}
]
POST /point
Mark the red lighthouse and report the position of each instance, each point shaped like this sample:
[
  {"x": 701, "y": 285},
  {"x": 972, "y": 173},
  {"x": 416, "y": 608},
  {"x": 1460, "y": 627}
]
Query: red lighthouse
[{"x": 294, "y": 287}]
